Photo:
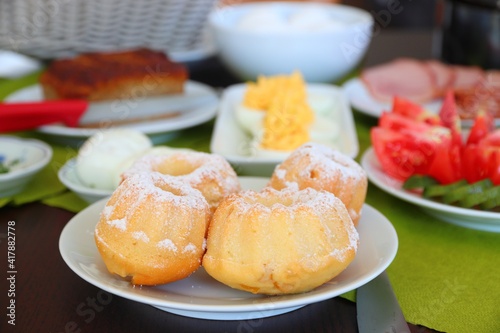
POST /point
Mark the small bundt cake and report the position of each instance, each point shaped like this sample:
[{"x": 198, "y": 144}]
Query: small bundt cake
[
  {"x": 153, "y": 229},
  {"x": 279, "y": 242},
  {"x": 211, "y": 174},
  {"x": 324, "y": 168}
]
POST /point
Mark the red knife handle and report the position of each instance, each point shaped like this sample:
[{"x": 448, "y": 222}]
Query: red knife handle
[{"x": 30, "y": 115}]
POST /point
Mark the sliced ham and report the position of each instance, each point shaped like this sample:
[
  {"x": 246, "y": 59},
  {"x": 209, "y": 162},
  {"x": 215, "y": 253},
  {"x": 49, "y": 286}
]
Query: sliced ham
[
  {"x": 404, "y": 77},
  {"x": 467, "y": 77},
  {"x": 422, "y": 81},
  {"x": 493, "y": 79},
  {"x": 443, "y": 76},
  {"x": 482, "y": 95}
]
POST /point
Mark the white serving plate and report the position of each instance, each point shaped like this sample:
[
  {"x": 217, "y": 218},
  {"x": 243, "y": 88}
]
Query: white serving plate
[
  {"x": 361, "y": 100},
  {"x": 468, "y": 218},
  {"x": 157, "y": 129},
  {"x": 200, "y": 296},
  {"x": 230, "y": 140}
]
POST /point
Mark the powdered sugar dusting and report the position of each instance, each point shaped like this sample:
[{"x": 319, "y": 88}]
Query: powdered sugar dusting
[
  {"x": 162, "y": 188},
  {"x": 167, "y": 244},
  {"x": 280, "y": 173},
  {"x": 156, "y": 189},
  {"x": 353, "y": 236},
  {"x": 204, "y": 166},
  {"x": 333, "y": 163},
  {"x": 108, "y": 210},
  {"x": 289, "y": 198},
  {"x": 191, "y": 248},
  {"x": 140, "y": 235},
  {"x": 118, "y": 223}
]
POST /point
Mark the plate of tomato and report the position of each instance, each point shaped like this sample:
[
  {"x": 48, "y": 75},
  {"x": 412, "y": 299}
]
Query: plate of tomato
[{"x": 410, "y": 141}]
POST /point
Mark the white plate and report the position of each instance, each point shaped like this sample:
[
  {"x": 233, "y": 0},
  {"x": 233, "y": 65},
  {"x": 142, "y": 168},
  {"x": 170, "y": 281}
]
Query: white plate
[
  {"x": 361, "y": 100},
  {"x": 185, "y": 119},
  {"x": 469, "y": 218},
  {"x": 200, "y": 296},
  {"x": 230, "y": 140}
]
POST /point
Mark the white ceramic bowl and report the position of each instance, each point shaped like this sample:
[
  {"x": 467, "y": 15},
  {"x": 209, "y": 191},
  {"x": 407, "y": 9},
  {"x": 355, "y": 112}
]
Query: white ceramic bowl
[
  {"x": 67, "y": 175},
  {"x": 323, "y": 41},
  {"x": 24, "y": 159}
]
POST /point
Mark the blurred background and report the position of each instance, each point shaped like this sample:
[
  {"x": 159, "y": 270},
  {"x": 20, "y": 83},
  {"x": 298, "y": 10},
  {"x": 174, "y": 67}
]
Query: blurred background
[
  {"x": 457, "y": 31},
  {"x": 416, "y": 14}
]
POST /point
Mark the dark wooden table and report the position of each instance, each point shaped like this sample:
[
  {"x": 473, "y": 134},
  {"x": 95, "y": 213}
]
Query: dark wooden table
[{"x": 49, "y": 297}]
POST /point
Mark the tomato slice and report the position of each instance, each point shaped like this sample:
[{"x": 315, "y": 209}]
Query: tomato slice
[
  {"x": 483, "y": 125},
  {"x": 397, "y": 122},
  {"x": 482, "y": 159},
  {"x": 414, "y": 111},
  {"x": 489, "y": 151},
  {"x": 491, "y": 139},
  {"x": 447, "y": 165},
  {"x": 450, "y": 118},
  {"x": 494, "y": 167},
  {"x": 474, "y": 163},
  {"x": 403, "y": 153}
]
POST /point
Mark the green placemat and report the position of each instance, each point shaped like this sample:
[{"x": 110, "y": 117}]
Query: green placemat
[{"x": 7, "y": 87}]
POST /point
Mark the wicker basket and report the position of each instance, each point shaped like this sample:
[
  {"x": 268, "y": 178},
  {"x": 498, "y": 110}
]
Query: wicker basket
[{"x": 50, "y": 29}]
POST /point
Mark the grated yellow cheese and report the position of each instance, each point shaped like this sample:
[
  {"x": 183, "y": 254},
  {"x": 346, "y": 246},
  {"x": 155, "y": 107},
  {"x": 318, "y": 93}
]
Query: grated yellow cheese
[{"x": 288, "y": 116}]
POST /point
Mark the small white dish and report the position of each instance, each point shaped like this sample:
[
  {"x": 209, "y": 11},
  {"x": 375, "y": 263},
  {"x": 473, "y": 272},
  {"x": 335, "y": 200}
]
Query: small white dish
[
  {"x": 200, "y": 296},
  {"x": 24, "y": 158},
  {"x": 68, "y": 176},
  {"x": 230, "y": 140},
  {"x": 468, "y": 218},
  {"x": 157, "y": 130}
]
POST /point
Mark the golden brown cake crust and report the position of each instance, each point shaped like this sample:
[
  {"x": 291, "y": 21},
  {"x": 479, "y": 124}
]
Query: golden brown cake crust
[
  {"x": 323, "y": 168},
  {"x": 279, "y": 242},
  {"x": 153, "y": 229},
  {"x": 106, "y": 76}
]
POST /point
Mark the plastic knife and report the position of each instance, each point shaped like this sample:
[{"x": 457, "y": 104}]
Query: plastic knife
[
  {"x": 17, "y": 116},
  {"x": 378, "y": 308}
]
